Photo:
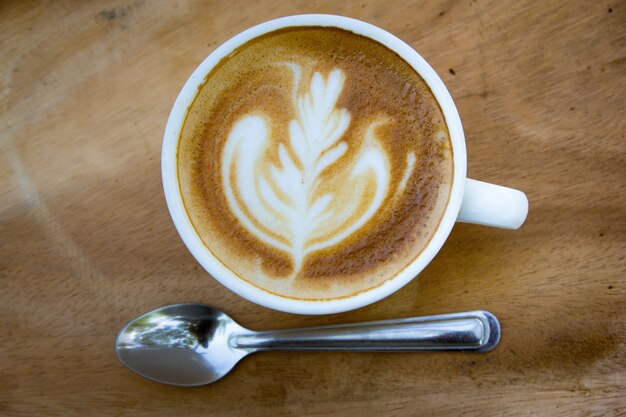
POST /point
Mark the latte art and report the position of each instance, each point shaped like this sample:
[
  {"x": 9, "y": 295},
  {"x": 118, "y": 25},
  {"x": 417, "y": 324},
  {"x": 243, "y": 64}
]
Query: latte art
[
  {"x": 281, "y": 202},
  {"x": 314, "y": 163}
]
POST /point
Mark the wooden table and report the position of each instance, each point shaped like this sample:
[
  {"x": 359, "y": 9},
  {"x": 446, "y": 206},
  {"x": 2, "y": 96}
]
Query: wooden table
[{"x": 86, "y": 242}]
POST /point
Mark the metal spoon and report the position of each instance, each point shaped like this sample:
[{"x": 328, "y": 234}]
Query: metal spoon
[{"x": 195, "y": 344}]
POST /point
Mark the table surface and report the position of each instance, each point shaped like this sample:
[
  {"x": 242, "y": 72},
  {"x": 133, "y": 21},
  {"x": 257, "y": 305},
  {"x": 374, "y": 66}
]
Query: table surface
[{"x": 86, "y": 242}]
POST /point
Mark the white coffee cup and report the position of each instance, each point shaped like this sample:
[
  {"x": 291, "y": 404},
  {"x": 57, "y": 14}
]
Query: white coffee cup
[{"x": 470, "y": 201}]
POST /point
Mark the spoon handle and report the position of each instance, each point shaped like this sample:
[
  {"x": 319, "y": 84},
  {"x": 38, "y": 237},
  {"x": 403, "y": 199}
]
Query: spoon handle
[{"x": 470, "y": 331}]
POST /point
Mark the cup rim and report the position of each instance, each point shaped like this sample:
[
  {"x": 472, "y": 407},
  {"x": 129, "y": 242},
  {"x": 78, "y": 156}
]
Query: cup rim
[{"x": 247, "y": 290}]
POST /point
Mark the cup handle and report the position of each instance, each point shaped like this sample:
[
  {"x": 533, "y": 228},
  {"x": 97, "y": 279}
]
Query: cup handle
[{"x": 493, "y": 205}]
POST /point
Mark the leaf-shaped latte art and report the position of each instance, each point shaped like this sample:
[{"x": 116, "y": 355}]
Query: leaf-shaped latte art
[{"x": 276, "y": 189}]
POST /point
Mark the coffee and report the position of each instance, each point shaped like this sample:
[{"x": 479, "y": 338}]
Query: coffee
[{"x": 314, "y": 163}]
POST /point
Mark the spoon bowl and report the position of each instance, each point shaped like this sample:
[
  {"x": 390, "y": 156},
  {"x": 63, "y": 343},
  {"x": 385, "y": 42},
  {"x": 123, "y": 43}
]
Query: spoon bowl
[
  {"x": 196, "y": 344},
  {"x": 172, "y": 344}
]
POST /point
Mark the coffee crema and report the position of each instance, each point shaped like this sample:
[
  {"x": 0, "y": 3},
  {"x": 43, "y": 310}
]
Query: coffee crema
[{"x": 315, "y": 163}]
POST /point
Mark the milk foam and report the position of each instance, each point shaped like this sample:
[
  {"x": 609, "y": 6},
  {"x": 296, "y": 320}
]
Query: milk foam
[
  {"x": 314, "y": 163},
  {"x": 281, "y": 203}
]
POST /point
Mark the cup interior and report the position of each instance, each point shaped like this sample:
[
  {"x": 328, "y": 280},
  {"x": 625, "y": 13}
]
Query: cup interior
[{"x": 221, "y": 273}]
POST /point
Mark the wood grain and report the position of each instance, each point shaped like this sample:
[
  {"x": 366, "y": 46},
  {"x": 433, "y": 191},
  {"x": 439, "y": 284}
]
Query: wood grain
[{"x": 86, "y": 242}]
